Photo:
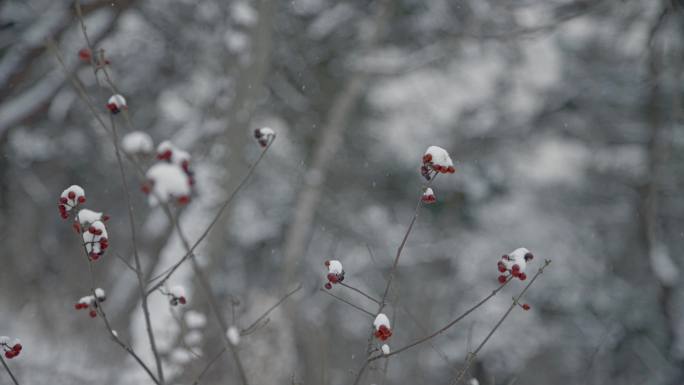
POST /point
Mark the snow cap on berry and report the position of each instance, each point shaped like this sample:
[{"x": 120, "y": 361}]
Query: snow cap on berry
[
  {"x": 116, "y": 103},
  {"x": 335, "y": 267},
  {"x": 86, "y": 216},
  {"x": 233, "y": 335},
  {"x": 438, "y": 159},
  {"x": 264, "y": 135},
  {"x": 428, "y": 196},
  {"x": 381, "y": 320},
  {"x": 71, "y": 197},
  {"x": 516, "y": 257},
  {"x": 137, "y": 142},
  {"x": 100, "y": 295},
  {"x": 167, "y": 180}
]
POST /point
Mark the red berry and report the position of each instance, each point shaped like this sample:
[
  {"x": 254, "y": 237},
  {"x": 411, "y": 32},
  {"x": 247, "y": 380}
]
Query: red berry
[
  {"x": 84, "y": 54},
  {"x": 522, "y": 276},
  {"x": 77, "y": 227},
  {"x": 65, "y": 215},
  {"x": 328, "y": 286},
  {"x": 17, "y": 348},
  {"x": 81, "y": 199},
  {"x": 526, "y": 307},
  {"x": 529, "y": 256},
  {"x": 506, "y": 257},
  {"x": 166, "y": 155},
  {"x": 62, "y": 208},
  {"x": 451, "y": 169},
  {"x": 427, "y": 158},
  {"x": 502, "y": 268},
  {"x": 105, "y": 218},
  {"x": 515, "y": 267},
  {"x": 515, "y": 273},
  {"x": 183, "y": 200},
  {"x": 327, "y": 263},
  {"x": 93, "y": 314},
  {"x": 332, "y": 278},
  {"x": 9, "y": 354},
  {"x": 182, "y": 300},
  {"x": 77, "y": 306},
  {"x": 502, "y": 278},
  {"x": 71, "y": 195},
  {"x": 63, "y": 200}
]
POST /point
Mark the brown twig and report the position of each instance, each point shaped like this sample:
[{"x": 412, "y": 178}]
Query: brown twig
[
  {"x": 349, "y": 303},
  {"x": 515, "y": 303}
]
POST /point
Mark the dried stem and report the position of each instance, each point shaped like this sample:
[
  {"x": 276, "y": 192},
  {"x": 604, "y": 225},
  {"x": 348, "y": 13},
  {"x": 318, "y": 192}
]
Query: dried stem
[
  {"x": 447, "y": 326},
  {"x": 359, "y": 291},
  {"x": 473, "y": 354},
  {"x": 248, "y": 330},
  {"x": 14, "y": 379},
  {"x": 349, "y": 303}
]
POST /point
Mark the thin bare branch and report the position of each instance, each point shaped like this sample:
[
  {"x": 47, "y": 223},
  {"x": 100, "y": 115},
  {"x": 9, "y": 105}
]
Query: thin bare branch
[
  {"x": 515, "y": 303},
  {"x": 14, "y": 379},
  {"x": 349, "y": 303},
  {"x": 359, "y": 291}
]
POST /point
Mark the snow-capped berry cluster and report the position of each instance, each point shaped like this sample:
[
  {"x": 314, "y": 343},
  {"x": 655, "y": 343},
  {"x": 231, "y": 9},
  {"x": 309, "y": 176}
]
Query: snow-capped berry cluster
[
  {"x": 176, "y": 295},
  {"x": 171, "y": 177},
  {"x": 69, "y": 199},
  {"x": 95, "y": 238},
  {"x": 436, "y": 160},
  {"x": 91, "y": 302},
  {"x": 89, "y": 223},
  {"x": 428, "y": 196},
  {"x": 137, "y": 143},
  {"x": 383, "y": 331},
  {"x": 264, "y": 135},
  {"x": 11, "y": 349},
  {"x": 335, "y": 273},
  {"x": 514, "y": 264},
  {"x": 116, "y": 104}
]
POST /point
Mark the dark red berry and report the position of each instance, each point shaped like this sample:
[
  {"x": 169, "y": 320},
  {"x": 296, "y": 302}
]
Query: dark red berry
[
  {"x": 71, "y": 195},
  {"x": 93, "y": 314},
  {"x": 183, "y": 200},
  {"x": 502, "y": 278},
  {"x": 166, "y": 155},
  {"x": 427, "y": 158},
  {"x": 9, "y": 354},
  {"x": 63, "y": 200},
  {"x": 327, "y": 263},
  {"x": 105, "y": 218},
  {"x": 522, "y": 276},
  {"x": 81, "y": 199},
  {"x": 181, "y": 300},
  {"x": 526, "y": 307},
  {"x": 17, "y": 348},
  {"x": 529, "y": 257},
  {"x": 84, "y": 54},
  {"x": 328, "y": 286},
  {"x": 515, "y": 267}
]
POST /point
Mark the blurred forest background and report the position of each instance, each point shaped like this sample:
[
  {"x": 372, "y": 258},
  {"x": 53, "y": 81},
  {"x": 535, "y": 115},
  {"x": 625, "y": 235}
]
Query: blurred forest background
[{"x": 565, "y": 118}]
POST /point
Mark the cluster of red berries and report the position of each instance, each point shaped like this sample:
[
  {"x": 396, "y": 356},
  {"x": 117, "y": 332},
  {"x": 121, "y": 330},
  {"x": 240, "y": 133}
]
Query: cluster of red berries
[
  {"x": 116, "y": 104},
  {"x": 444, "y": 169},
  {"x": 91, "y": 302},
  {"x": 428, "y": 196},
  {"x": 382, "y": 327},
  {"x": 12, "y": 350},
  {"x": 383, "y": 333},
  {"x": 514, "y": 265},
  {"x": 335, "y": 273},
  {"x": 264, "y": 135},
  {"x": 70, "y": 198},
  {"x": 99, "y": 243}
]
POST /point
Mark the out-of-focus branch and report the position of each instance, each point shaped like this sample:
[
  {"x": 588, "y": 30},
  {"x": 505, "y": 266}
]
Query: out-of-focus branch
[{"x": 349, "y": 303}]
